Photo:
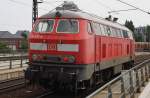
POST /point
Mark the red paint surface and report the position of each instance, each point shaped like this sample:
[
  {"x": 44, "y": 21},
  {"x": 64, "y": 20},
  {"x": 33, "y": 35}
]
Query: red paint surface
[{"x": 92, "y": 48}]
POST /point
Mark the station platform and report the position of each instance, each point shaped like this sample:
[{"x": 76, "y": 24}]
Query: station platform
[
  {"x": 133, "y": 83},
  {"x": 116, "y": 92},
  {"x": 146, "y": 92},
  {"x": 12, "y": 70},
  {"x": 7, "y": 74}
]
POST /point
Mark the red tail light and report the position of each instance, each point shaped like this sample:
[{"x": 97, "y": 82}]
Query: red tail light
[
  {"x": 40, "y": 57},
  {"x": 68, "y": 59},
  {"x": 65, "y": 59}
]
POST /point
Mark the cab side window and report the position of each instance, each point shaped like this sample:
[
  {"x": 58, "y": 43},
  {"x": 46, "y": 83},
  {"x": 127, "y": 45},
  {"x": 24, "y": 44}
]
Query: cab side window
[
  {"x": 130, "y": 34},
  {"x": 102, "y": 29},
  {"x": 89, "y": 28},
  {"x": 108, "y": 30},
  {"x": 105, "y": 30},
  {"x": 97, "y": 29},
  {"x": 125, "y": 34},
  {"x": 113, "y": 31},
  {"x": 121, "y": 34}
]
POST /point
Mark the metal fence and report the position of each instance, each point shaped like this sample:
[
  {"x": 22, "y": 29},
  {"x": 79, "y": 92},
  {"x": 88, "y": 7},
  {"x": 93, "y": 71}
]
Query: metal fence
[
  {"x": 11, "y": 75},
  {"x": 9, "y": 52},
  {"x": 13, "y": 59},
  {"x": 127, "y": 85}
]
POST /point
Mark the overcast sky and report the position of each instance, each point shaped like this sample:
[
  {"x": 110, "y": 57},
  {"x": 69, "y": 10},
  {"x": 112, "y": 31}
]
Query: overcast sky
[{"x": 17, "y": 14}]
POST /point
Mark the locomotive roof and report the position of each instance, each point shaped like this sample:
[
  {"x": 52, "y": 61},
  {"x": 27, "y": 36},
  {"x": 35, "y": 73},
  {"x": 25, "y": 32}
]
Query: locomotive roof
[{"x": 84, "y": 15}]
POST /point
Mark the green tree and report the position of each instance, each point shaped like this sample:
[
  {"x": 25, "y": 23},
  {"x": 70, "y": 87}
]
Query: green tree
[
  {"x": 148, "y": 33},
  {"x": 24, "y": 35},
  {"x": 137, "y": 36},
  {"x": 24, "y": 42},
  {"x": 130, "y": 25},
  {"x": 4, "y": 48}
]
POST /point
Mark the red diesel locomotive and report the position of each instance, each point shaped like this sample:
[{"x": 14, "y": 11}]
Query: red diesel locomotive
[{"x": 77, "y": 50}]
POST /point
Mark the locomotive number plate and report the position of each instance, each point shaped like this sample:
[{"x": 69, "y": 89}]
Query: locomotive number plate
[{"x": 52, "y": 47}]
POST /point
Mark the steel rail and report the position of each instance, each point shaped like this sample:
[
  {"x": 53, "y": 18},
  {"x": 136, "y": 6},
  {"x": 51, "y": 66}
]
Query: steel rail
[
  {"x": 14, "y": 86},
  {"x": 11, "y": 86},
  {"x": 45, "y": 94},
  {"x": 9, "y": 80}
]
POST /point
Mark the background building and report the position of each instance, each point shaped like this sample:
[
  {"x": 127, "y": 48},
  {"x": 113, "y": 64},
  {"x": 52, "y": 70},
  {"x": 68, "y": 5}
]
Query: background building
[
  {"x": 141, "y": 33},
  {"x": 13, "y": 41}
]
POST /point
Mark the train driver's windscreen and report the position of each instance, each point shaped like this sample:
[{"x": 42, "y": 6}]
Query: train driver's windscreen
[
  {"x": 44, "y": 26},
  {"x": 68, "y": 26}
]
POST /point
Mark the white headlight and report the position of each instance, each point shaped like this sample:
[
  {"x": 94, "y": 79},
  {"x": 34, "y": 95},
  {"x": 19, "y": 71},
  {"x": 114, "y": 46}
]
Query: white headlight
[
  {"x": 38, "y": 46},
  {"x": 68, "y": 47},
  {"x": 34, "y": 56}
]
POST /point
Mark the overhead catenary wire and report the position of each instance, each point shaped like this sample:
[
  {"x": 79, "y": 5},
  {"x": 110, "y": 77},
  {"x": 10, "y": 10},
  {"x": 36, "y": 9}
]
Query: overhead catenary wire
[
  {"x": 18, "y": 2},
  {"x": 107, "y": 7},
  {"x": 104, "y": 5},
  {"x": 79, "y": 9},
  {"x": 56, "y": 6},
  {"x": 50, "y": 2},
  {"x": 115, "y": 11},
  {"x": 134, "y": 6},
  {"x": 99, "y": 3},
  {"x": 25, "y": 4}
]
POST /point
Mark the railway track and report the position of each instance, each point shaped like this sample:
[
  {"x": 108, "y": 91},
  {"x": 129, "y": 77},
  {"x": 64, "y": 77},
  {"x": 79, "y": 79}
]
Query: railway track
[
  {"x": 11, "y": 84},
  {"x": 140, "y": 58},
  {"x": 57, "y": 95},
  {"x": 45, "y": 94}
]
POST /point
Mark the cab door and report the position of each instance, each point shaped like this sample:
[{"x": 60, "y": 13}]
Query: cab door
[{"x": 97, "y": 38}]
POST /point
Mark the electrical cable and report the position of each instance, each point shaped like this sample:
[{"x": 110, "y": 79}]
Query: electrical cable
[
  {"x": 134, "y": 6},
  {"x": 115, "y": 11},
  {"x": 25, "y": 4},
  {"x": 100, "y": 3}
]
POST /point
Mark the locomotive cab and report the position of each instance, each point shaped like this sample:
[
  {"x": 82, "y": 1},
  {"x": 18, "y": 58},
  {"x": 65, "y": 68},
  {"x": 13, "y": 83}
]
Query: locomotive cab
[{"x": 67, "y": 38}]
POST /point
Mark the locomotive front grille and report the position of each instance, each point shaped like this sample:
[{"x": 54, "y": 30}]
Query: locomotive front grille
[{"x": 53, "y": 59}]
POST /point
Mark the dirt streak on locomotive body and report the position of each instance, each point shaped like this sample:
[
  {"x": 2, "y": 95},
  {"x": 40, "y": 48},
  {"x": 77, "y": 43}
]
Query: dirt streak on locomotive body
[{"x": 77, "y": 49}]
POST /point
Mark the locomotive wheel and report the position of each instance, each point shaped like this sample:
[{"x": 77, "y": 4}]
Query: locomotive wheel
[
  {"x": 92, "y": 82},
  {"x": 107, "y": 74},
  {"x": 128, "y": 65},
  {"x": 75, "y": 88}
]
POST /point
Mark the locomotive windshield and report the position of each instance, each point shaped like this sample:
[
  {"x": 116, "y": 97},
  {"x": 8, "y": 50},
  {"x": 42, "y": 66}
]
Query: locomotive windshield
[
  {"x": 67, "y": 26},
  {"x": 44, "y": 26}
]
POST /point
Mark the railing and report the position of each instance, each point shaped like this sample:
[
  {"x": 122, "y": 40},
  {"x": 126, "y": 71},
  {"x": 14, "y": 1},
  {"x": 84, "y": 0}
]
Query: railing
[
  {"x": 10, "y": 59},
  {"x": 127, "y": 84},
  {"x": 8, "y": 52},
  {"x": 11, "y": 75}
]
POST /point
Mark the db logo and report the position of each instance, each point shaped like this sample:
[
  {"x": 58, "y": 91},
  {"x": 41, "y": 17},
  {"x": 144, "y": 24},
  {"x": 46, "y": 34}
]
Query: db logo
[{"x": 52, "y": 47}]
